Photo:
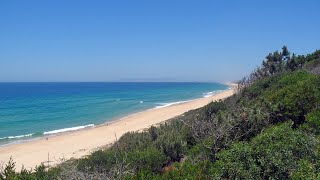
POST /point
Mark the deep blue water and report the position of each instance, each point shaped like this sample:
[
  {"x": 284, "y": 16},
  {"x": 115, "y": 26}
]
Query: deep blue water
[{"x": 29, "y": 110}]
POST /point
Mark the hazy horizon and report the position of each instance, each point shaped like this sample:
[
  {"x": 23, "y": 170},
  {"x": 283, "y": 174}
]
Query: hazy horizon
[
  {"x": 98, "y": 41},
  {"x": 119, "y": 81}
]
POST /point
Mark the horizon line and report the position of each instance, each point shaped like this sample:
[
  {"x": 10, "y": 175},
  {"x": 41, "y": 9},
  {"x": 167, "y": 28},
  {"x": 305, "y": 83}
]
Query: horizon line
[{"x": 112, "y": 82}]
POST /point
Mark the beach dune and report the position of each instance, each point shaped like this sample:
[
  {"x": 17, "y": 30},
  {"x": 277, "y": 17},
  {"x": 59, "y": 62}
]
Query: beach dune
[{"x": 80, "y": 143}]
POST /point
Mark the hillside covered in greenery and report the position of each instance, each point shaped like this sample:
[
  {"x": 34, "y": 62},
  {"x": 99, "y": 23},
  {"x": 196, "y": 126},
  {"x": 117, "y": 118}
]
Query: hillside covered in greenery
[{"x": 270, "y": 129}]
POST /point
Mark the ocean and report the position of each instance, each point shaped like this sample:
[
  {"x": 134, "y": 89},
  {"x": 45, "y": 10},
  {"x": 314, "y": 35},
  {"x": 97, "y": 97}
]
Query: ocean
[{"x": 33, "y": 110}]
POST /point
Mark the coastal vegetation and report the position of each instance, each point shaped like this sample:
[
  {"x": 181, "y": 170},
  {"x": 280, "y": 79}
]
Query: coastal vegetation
[{"x": 269, "y": 129}]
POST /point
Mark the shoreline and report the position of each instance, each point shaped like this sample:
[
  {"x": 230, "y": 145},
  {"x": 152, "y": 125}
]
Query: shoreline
[
  {"x": 108, "y": 122},
  {"x": 74, "y": 144}
]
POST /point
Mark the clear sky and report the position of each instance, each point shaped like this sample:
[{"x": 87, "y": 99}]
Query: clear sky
[{"x": 163, "y": 40}]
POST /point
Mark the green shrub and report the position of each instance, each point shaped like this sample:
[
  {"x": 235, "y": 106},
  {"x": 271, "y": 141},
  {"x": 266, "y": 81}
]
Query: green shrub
[
  {"x": 275, "y": 153},
  {"x": 214, "y": 107},
  {"x": 258, "y": 88},
  {"x": 172, "y": 146},
  {"x": 25, "y": 174},
  {"x": 98, "y": 161},
  {"x": 238, "y": 162},
  {"x": 9, "y": 171},
  {"x": 153, "y": 133},
  {"x": 40, "y": 172},
  {"x": 188, "y": 170},
  {"x": 133, "y": 140},
  {"x": 198, "y": 153},
  {"x": 312, "y": 124},
  {"x": 295, "y": 95},
  {"x": 147, "y": 160},
  {"x": 173, "y": 140},
  {"x": 305, "y": 170}
]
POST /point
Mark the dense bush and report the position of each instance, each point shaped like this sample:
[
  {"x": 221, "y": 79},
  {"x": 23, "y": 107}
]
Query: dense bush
[
  {"x": 140, "y": 153},
  {"x": 98, "y": 161},
  {"x": 149, "y": 160},
  {"x": 293, "y": 96},
  {"x": 275, "y": 153},
  {"x": 173, "y": 140},
  {"x": 312, "y": 124},
  {"x": 306, "y": 170},
  {"x": 186, "y": 170},
  {"x": 285, "y": 96}
]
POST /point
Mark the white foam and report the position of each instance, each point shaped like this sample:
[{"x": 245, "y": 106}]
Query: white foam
[
  {"x": 141, "y": 102},
  {"x": 211, "y": 93},
  {"x": 208, "y": 94},
  {"x": 68, "y": 129},
  {"x": 162, "y": 105},
  {"x": 16, "y": 137}
]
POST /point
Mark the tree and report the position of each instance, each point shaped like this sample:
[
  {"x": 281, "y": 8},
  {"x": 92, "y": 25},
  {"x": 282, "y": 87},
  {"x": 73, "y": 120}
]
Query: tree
[
  {"x": 285, "y": 53},
  {"x": 291, "y": 63}
]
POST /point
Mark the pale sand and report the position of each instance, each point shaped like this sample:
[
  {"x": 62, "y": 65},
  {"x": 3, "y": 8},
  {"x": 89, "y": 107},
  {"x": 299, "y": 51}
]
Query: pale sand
[{"x": 79, "y": 143}]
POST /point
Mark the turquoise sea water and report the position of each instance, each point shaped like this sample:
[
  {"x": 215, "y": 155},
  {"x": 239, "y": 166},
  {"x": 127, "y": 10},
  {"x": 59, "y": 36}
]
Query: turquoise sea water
[{"x": 29, "y": 110}]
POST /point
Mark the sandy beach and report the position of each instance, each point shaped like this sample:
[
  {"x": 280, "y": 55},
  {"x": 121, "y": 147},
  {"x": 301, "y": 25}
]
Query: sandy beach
[{"x": 79, "y": 143}]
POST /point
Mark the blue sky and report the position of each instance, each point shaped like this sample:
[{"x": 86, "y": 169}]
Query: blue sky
[{"x": 167, "y": 40}]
